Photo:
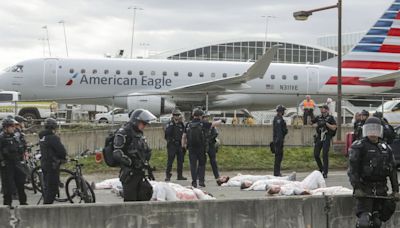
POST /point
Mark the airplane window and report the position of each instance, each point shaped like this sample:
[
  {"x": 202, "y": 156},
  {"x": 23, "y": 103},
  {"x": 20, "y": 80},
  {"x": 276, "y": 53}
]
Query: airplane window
[
  {"x": 94, "y": 71},
  {"x": 190, "y": 74},
  {"x": 17, "y": 68},
  {"x": 237, "y": 74},
  {"x": 59, "y": 67},
  {"x": 106, "y": 71},
  {"x": 213, "y": 75},
  {"x": 118, "y": 72},
  {"x": 224, "y": 75},
  {"x": 129, "y": 72},
  {"x": 284, "y": 77},
  {"x": 176, "y": 73},
  {"x": 164, "y": 73},
  {"x": 272, "y": 76},
  {"x": 153, "y": 73},
  {"x": 71, "y": 71},
  {"x": 83, "y": 71},
  {"x": 141, "y": 72},
  {"x": 295, "y": 77},
  {"x": 201, "y": 74}
]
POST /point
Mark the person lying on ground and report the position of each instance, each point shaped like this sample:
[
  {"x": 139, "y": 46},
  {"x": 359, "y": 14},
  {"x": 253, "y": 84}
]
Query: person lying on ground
[
  {"x": 237, "y": 180},
  {"x": 313, "y": 181},
  {"x": 162, "y": 191}
]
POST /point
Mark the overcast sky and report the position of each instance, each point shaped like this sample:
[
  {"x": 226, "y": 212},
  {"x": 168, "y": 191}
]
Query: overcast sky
[{"x": 95, "y": 27}]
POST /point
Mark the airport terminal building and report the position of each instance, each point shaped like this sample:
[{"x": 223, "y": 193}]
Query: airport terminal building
[{"x": 251, "y": 50}]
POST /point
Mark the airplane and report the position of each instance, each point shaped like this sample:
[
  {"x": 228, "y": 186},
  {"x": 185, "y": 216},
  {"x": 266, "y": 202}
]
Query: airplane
[{"x": 372, "y": 66}]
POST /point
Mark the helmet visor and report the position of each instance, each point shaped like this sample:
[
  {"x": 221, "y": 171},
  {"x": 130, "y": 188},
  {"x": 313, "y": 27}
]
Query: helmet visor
[
  {"x": 372, "y": 129},
  {"x": 146, "y": 117}
]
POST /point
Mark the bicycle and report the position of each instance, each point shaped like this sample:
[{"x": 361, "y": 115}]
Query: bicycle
[
  {"x": 77, "y": 188},
  {"x": 35, "y": 176}
]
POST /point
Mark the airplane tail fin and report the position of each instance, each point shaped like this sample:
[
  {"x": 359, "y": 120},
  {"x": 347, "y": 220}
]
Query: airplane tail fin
[{"x": 379, "y": 49}]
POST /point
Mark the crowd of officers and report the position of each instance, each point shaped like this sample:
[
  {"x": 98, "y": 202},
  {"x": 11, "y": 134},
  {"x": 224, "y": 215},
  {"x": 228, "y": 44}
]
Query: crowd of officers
[
  {"x": 371, "y": 159},
  {"x": 13, "y": 155}
]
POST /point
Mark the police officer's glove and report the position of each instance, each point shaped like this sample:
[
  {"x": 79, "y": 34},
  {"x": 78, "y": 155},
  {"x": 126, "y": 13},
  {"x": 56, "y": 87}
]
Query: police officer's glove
[
  {"x": 2, "y": 164},
  {"x": 358, "y": 193},
  {"x": 396, "y": 196}
]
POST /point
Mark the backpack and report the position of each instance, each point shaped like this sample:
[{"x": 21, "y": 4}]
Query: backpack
[
  {"x": 195, "y": 134},
  {"x": 108, "y": 151}
]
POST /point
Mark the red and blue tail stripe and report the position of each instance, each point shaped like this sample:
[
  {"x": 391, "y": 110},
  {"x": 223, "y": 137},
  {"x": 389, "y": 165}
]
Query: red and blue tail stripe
[{"x": 379, "y": 49}]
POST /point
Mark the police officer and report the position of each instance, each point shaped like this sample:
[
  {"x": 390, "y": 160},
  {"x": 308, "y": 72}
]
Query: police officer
[
  {"x": 195, "y": 140},
  {"x": 279, "y": 132},
  {"x": 53, "y": 155},
  {"x": 326, "y": 129},
  {"x": 133, "y": 153},
  {"x": 388, "y": 130},
  {"x": 371, "y": 162},
  {"x": 212, "y": 147},
  {"x": 22, "y": 145},
  {"x": 359, "y": 124},
  {"x": 10, "y": 164},
  {"x": 173, "y": 135}
]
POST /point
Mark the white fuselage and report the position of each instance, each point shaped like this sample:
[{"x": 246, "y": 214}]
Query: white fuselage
[{"x": 96, "y": 81}]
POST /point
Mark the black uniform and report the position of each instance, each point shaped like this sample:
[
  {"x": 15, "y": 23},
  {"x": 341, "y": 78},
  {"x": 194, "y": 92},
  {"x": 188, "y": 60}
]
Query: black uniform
[
  {"x": 212, "y": 150},
  {"x": 197, "y": 149},
  {"x": 358, "y": 130},
  {"x": 279, "y": 132},
  {"x": 388, "y": 132},
  {"x": 11, "y": 171},
  {"x": 133, "y": 154},
  {"x": 53, "y": 154},
  {"x": 369, "y": 166},
  {"x": 322, "y": 141},
  {"x": 173, "y": 135}
]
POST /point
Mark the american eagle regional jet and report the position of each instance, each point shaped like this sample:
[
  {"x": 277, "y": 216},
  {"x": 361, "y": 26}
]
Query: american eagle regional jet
[{"x": 161, "y": 85}]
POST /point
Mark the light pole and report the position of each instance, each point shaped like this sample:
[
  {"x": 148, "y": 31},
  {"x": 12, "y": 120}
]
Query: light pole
[
  {"x": 65, "y": 35},
  {"x": 302, "y": 16},
  {"x": 134, "y": 8},
  {"x": 267, "y": 17},
  {"x": 47, "y": 37}
]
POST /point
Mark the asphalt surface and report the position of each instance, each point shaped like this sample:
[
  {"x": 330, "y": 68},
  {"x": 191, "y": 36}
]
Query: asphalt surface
[{"x": 335, "y": 178}]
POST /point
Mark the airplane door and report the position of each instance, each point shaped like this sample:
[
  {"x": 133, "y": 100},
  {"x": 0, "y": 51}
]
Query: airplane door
[
  {"x": 50, "y": 72},
  {"x": 312, "y": 80}
]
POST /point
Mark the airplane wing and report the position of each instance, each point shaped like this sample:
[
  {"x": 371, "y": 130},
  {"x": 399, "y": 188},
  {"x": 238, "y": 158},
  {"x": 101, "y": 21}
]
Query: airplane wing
[
  {"x": 383, "y": 78},
  {"x": 257, "y": 70}
]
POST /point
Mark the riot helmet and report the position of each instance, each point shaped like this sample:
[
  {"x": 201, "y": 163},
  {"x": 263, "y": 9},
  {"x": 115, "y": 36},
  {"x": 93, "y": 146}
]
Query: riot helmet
[
  {"x": 20, "y": 119},
  {"x": 7, "y": 122},
  {"x": 378, "y": 115},
  {"x": 141, "y": 115},
  {"x": 50, "y": 124},
  {"x": 365, "y": 113},
  {"x": 198, "y": 112},
  {"x": 176, "y": 112},
  {"x": 280, "y": 108},
  {"x": 372, "y": 127}
]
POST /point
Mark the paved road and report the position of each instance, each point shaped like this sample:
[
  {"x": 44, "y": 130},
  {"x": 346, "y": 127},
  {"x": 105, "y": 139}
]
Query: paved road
[{"x": 105, "y": 196}]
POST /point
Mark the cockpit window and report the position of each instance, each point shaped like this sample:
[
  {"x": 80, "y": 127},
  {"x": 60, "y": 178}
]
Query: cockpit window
[{"x": 17, "y": 68}]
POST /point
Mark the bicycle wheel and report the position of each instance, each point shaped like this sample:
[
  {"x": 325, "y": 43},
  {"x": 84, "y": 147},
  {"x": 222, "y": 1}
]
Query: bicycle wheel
[{"x": 77, "y": 193}]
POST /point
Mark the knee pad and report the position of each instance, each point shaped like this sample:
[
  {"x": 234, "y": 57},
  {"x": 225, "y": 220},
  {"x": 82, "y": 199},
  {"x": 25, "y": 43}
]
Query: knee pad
[
  {"x": 376, "y": 221},
  {"x": 388, "y": 208},
  {"x": 364, "y": 220}
]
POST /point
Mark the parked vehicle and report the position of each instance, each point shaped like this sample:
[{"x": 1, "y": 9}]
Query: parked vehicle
[
  {"x": 120, "y": 115},
  {"x": 11, "y": 104}
]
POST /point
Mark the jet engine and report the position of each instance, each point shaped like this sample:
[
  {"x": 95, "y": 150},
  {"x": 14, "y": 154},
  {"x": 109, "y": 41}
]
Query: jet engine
[{"x": 155, "y": 104}]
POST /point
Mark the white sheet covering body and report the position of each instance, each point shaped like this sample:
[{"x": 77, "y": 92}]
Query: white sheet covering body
[{"x": 237, "y": 180}]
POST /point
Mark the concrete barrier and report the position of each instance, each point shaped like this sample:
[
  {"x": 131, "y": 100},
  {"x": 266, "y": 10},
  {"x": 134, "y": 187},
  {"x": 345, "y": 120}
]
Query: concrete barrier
[
  {"x": 5, "y": 215},
  {"x": 299, "y": 212},
  {"x": 260, "y": 135}
]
